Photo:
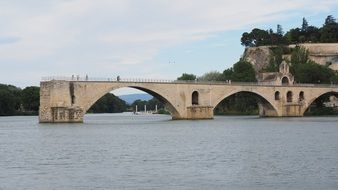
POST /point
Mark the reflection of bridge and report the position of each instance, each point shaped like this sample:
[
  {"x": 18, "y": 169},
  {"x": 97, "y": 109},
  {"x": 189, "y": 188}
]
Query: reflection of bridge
[{"x": 68, "y": 99}]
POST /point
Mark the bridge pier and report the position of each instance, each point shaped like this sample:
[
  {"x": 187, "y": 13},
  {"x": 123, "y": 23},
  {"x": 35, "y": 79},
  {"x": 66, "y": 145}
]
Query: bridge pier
[{"x": 200, "y": 112}]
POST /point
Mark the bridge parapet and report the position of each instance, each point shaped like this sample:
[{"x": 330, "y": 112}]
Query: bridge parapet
[{"x": 145, "y": 80}]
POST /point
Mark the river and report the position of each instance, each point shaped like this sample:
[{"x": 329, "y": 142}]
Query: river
[{"x": 124, "y": 151}]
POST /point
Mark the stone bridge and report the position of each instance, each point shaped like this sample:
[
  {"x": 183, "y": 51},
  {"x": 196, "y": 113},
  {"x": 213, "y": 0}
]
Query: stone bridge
[{"x": 68, "y": 99}]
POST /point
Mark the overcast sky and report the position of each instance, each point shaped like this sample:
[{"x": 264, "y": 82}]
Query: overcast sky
[{"x": 136, "y": 38}]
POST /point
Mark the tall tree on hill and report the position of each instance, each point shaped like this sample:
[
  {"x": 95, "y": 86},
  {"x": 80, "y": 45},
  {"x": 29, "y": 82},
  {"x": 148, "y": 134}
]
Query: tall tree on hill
[
  {"x": 305, "y": 25},
  {"x": 329, "y": 32},
  {"x": 330, "y": 20},
  {"x": 280, "y": 30}
]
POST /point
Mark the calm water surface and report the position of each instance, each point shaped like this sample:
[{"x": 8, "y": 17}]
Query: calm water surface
[{"x": 121, "y": 151}]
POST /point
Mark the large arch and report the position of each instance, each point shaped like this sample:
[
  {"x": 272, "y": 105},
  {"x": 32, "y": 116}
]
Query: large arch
[
  {"x": 263, "y": 101},
  {"x": 309, "y": 103},
  {"x": 170, "y": 107}
]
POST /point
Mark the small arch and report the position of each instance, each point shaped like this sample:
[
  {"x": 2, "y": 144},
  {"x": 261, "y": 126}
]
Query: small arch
[
  {"x": 194, "y": 98},
  {"x": 301, "y": 96},
  {"x": 277, "y": 95},
  {"x": 289, "y": 96},
  {"x": 285, "y": 81}
]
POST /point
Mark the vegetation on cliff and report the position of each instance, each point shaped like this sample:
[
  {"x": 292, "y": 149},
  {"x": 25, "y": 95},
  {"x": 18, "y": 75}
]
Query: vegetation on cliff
[{"x": 328, "y": 33}]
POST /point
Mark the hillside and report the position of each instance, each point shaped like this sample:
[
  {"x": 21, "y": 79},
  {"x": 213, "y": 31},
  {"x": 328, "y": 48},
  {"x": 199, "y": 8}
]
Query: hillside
[{"x": 321, "y": 53}]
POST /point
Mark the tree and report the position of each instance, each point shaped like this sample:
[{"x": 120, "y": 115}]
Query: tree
[
  {"x": 186, "y": 76},
  {"x": 299, "y": 55},
  {"x": 247, "y": 40},
  {"x": 329, "y": 32},
  {"x": 227, "y": 74},
  {"x": 279, "y": 30},
  {"x": 312, "y": 72},
  {"x": 330, "y": 20},
  {"x": 276, "y": 58},
  {"x": 109, "y": 103},
  {"x": 10, "y": 100},
  {"x": 211, "y": 76},
  {"x": 31, "y": 98},
  {"x": 243, "y": 72},
  {"x": 305, "y": 25},
  {"x": 140, "y": 104}
]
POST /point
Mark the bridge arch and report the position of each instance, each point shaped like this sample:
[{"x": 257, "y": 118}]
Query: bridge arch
[
  {"x": 154, "y": 92},
  {"x": 309, "y": 102},
  {"x": 265, "y": 104}
]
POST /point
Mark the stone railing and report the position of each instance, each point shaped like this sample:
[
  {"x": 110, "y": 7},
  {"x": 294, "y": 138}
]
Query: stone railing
[{"x": 142, "y": 80}]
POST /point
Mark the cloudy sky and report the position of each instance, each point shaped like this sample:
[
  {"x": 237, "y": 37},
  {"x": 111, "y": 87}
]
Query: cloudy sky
[{"x": 136, "y": 38}]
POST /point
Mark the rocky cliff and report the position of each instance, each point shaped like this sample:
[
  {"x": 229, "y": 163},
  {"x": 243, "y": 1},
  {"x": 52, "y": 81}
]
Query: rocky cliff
[{"x": 321, "y": 53}]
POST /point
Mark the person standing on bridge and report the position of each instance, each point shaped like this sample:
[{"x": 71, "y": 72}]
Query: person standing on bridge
[{"x": 118, "y": 78}]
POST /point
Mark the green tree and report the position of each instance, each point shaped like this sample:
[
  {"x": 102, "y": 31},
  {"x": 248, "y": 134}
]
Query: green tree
[
  {"x": 247, "y": 40},
  {"x": 186, "y": 76},
  {"x": 10, "y": 100},
  {"x": 279, "y": 30},
  {"x": 140, "y": 104},
  {"x": 299, "y": 55},
  {"x": 243, "y": 72},
  {"x": 329, "y": 32},
  {"x": 227, "y": 74},
  {"x": 31, "y": 98},
  {"x": 330, "y": 20},
  {"x": 109, "y": 103},
  {"x": 311, "y": 72},
  {"x": 305, "y": 25},
  {"x": 211, "y": 76},
  {"x": 276, "y": 58}
]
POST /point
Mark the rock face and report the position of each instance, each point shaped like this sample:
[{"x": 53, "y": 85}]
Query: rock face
[
  {"x": 321, "y": 53},
  {"x": 258, "y": 56}
]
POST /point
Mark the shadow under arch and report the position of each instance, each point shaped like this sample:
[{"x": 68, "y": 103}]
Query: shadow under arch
[
  {"x": 168, "y": 105},
  {"x": 265, "y": 107},
  {"x": 322, "y": 98}
]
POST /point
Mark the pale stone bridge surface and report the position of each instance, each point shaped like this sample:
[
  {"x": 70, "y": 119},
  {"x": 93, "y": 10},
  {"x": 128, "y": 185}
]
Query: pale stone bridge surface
[{"x": 68, "y": 99}]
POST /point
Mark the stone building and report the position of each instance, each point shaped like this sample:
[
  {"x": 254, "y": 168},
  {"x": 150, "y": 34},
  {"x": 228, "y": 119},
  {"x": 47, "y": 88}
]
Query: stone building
[{"x": 283, "y": 77}]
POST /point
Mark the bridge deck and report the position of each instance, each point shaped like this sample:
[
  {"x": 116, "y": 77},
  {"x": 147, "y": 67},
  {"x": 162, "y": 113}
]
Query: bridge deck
[{"x": 166, "y": 81}]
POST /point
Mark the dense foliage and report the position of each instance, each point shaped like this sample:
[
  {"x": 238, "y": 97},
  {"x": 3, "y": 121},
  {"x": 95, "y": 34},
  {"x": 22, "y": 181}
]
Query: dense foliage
[
  {"x": 242, "y": 71},
  {"x": 109, "y": 103},
  {"x": 328, "y": 33},
  {"x": 15, "y": 101},
  {"x": 186, "y": 76},
  {"x": 211, "y": 76},
  {"x": 307, "y": 71},
  {"x": 150, "y": 104}
]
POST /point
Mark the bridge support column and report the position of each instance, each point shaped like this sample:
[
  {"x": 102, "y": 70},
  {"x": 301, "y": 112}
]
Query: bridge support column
[
  {"x": 265, "y": 110},
  {"x": 62, "y": 115},
  {"x": 292, "y": 110},
  {"x": 200, "y": 112},
  {"x": 56, "y": 103}
]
